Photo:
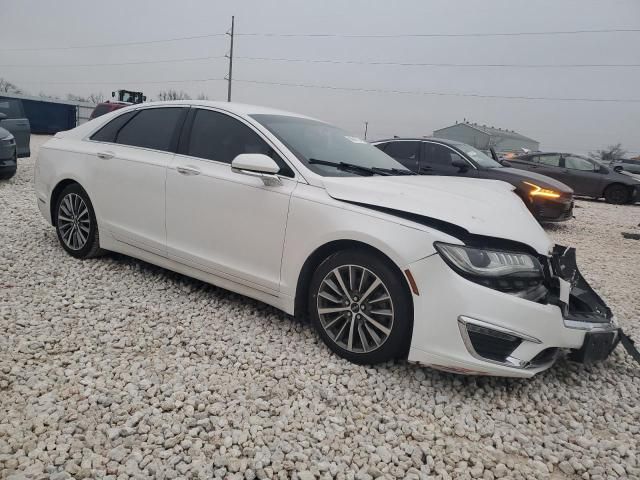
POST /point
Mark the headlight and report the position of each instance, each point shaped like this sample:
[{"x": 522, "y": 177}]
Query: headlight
[
  {"x": 538, "y": 191},
  {"x": 511, "y": 272},
  {"x": 7, "y": 141}
]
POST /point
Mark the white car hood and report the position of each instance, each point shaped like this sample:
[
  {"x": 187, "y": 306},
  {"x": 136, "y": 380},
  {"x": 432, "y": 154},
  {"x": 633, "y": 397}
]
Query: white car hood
[{"x": 483, "y": 207}]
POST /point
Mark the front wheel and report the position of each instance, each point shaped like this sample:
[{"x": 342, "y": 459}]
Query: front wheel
[
  {"x": 361, "y": 307},
  {"x": 76, "y": 223},
  {"x": 617, "y": 194}
]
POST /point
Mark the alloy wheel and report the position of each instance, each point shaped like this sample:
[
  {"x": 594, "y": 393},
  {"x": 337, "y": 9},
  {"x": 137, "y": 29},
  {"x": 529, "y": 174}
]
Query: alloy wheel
[
  {"x": 74, "y": 221},
  {"x": 355, "y": 308}
]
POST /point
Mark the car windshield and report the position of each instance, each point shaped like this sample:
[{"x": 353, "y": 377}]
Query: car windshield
[
  {"x": 318, "y": 144},
  {"x": 478, "y": 156}
]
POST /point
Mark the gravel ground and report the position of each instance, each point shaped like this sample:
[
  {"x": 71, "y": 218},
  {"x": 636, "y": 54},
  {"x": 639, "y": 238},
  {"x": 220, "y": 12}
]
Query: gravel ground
[{"x": 113, "y": 368}]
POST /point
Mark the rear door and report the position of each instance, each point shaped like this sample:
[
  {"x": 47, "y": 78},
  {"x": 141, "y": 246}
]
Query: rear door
[
  {"x": 130, "y": 156},
  {"x": 13, "y": 118}
]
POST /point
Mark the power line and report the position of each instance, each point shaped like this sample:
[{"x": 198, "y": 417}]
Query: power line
[
  {"x": 106, "y": 45},
  {"x": 444, "y": 94},
  {"x": 193, "y": 59},
  {"x": 113, "y": 82},
  {"x": 427, "y": 35},
  {"x": 421, "y": 64}
]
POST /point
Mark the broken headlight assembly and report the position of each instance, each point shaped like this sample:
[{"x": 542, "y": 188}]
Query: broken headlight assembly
[{"x": 516, "y": 273}]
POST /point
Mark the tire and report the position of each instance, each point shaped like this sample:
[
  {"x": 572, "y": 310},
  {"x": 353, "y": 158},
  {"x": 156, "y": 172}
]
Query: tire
[
  {"x": 617, "y": 194},
  {"x": 76, "y": 223},
  {"x": 8, "y": 175},
  {"x": 381, "y": 328}
]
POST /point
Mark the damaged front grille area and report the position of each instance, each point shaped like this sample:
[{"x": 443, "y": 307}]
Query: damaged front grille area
[{"x": 584, "y": 304}]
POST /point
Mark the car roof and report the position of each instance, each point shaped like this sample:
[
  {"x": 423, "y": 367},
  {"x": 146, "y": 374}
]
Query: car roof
[
  {"x": 422, "y": 139},
  {"x": 232, "y": 107}
]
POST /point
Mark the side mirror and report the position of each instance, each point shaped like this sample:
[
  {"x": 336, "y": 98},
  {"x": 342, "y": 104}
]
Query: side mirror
[
  {"x": 3, "y": 116},
  {"x": 505, "y": 163},
  {"x": 460, "y": 164},
  {"x": 144, "y": 98},
  {"x": 257, "y": 165},
  {"x": 603, "y": 169}
]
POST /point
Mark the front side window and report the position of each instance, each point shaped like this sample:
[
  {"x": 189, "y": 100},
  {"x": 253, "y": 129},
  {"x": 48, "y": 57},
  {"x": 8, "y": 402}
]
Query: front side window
[
  {"x": 310, "y": 139},
  {"x": 577, "y": 163},
  {"x": 219, "y": 137},
  {"x": 549, "y": 160},
  {"x": 151, "y": 128},
  {"x": 439, "y": 155},
  {"x": 403, "y": 150}
]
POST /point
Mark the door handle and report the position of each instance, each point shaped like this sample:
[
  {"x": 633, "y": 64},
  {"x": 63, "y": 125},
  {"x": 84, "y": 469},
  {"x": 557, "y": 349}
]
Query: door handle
[
  {"x": 105, "y": 155},
  {"x": 188, "y": 170}
]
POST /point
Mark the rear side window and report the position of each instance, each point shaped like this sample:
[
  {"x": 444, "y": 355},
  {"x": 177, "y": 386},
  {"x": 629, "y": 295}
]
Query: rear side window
[
  {"x": 216, "y": 136},
  {"x": 11, "y": 108},
  {"x": 109, "y": 132},
  {"x": 151, "y": 128}
]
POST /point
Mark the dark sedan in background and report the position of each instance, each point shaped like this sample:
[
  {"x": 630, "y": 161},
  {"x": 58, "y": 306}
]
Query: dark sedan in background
[
  {"x": 8, "y": 154},
  {"x": 587, "y": 177},
  {"x": 548, "y": 200}
]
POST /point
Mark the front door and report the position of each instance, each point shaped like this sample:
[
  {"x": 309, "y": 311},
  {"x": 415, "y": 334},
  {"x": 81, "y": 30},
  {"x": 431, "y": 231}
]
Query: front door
[
  {"x": 221, "y": 221},
  {"x": 582, "y": 175},
  {"x": 437, "y": 159}
]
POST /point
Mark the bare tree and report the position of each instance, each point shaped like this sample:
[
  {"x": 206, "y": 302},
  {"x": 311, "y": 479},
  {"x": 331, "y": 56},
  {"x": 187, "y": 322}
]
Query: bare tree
[
  {"x": 48, "y": 95},
  {"x": 76, "y": 98},
  {"x": 7, "y": 87},
  {"x": 96, "y": 97},
  {"x": 612, "y": 152},
  {"x": 173, "y": 95},
  {"x": 202, "y": 96}
]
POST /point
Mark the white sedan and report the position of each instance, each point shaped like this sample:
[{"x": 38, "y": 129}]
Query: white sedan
[{"x": 450, "y": 272}]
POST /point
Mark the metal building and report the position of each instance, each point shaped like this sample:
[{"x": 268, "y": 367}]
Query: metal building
[
  {"x": 483, "y": 137},
  {"x": 51, "y": 116}
]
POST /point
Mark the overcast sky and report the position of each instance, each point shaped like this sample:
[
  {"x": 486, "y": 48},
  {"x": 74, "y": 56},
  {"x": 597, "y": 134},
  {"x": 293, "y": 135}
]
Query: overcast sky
[{"x": 566, "y": 125}]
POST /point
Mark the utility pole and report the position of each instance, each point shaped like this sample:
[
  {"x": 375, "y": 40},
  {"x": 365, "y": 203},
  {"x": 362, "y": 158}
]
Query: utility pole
[
  {"x": 230, "y": 57},
  {"x": 366, "y": 126}
]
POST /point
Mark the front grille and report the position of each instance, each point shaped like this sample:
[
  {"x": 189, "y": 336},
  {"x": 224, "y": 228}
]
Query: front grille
[
  {"x": 554, "y": 210},
  {"x": 492, "y": 344}
]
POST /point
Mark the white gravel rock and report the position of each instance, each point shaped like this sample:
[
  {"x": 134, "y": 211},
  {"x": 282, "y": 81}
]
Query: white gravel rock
[{"x": 113, "y": 368}]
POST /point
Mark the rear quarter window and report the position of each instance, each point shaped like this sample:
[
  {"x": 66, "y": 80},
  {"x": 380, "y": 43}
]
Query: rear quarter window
[{"x": 109, "y": 132}]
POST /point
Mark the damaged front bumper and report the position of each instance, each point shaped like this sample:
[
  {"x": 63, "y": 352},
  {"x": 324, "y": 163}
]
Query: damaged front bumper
[
  {"x": 582, "y": 308},
  {"x": 464, "y": 327}
]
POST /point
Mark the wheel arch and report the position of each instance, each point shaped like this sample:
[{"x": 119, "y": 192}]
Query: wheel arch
[
  {"x": 55, "y": 194},
  {"x": 323, "y": 252},
  {"x": 629, "y": 188}
]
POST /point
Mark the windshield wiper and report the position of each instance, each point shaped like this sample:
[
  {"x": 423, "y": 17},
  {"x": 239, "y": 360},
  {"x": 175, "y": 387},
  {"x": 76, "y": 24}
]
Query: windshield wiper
[
  {"x": 349, "y": 167},
  {"x": 394, "y": 171}
]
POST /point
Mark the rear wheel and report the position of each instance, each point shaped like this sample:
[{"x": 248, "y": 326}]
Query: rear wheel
[
  {"x": 617, "y": 194},
  {"x": 360, "y": 306},
  {"x": 76, "y": 223}
]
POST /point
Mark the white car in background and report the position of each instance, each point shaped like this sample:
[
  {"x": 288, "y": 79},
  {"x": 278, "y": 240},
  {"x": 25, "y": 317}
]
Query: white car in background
[{"x": 449, "y": 272}]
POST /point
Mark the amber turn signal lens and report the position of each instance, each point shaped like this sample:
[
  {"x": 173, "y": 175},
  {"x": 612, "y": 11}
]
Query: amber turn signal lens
[{"x": 537, "y": 191}]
